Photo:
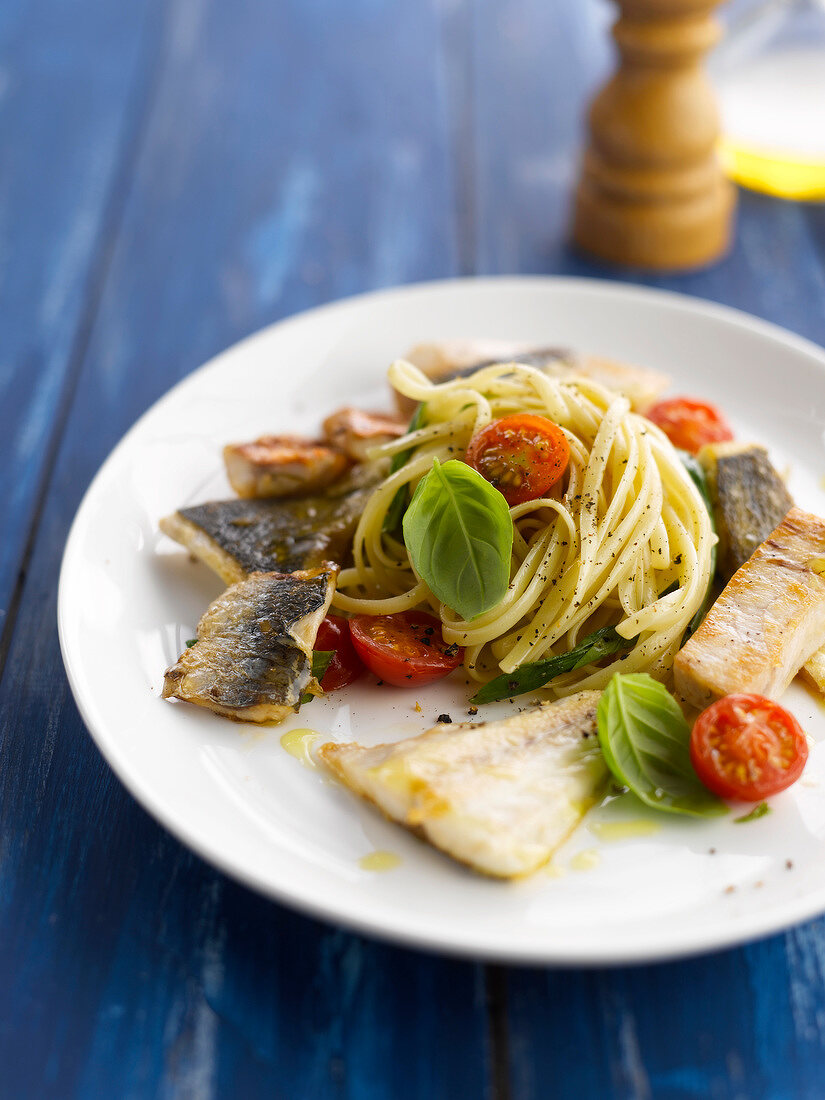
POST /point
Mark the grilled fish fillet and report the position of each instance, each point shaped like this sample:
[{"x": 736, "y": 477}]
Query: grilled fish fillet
[
  {"x": 253, "y": 657},
  {"x": 768, "y": 621},
  {"x": 498, "y": 796},
  {"x": 237, "y": 537},
  {"x": 451, "y": 358},
  {"x": 354, "y": 432},
  {"x": 282, "y": 466},
  {"x": 749, "y": 499}
]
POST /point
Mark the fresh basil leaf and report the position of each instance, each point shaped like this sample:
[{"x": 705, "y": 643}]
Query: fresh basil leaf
[
  {"x": 645, "y": 739},
  {"x": 190, "y": 642},
  {"x": 321, "y": 660},
  {"x": 699, "y": 478},
  {"x": 536, "y": 674},
  {"x": 459, "y": 536},
  {"x": 758, "y": 811},
  {"x": 398, "y": 504}
]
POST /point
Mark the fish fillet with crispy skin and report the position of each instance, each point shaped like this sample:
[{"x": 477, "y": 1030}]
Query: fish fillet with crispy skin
[
  {"x": 238, "y": 537},
  {"x": 766, "y": 624},
  {"x": 253, "y": 657},
  {"x": 498, "y": 796},
  {"x": 749, "y": 499}
]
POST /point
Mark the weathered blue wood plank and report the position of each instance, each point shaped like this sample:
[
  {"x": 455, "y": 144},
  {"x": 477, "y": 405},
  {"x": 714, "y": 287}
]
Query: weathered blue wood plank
[
  {"x": 745, "y": 1023},
  {"x": 73, "y": 78},
  {"x": 293, "y": 153}
]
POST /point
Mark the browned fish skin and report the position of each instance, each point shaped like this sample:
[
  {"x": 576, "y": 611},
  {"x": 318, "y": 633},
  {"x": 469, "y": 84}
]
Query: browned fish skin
[
  {"x": 253, "y": 658},
  {"x": 282, "y": 466},
  {"x": 768, "y": 621},
  {"x": 749, "y": 500},
  {"x": 237, "y": 537}
]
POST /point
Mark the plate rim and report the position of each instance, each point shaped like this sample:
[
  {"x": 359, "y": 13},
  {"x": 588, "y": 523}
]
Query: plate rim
[{"x": 342, "y": 912}]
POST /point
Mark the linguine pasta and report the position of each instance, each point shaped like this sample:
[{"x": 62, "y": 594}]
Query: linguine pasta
[{"x": 624, "y": 541}]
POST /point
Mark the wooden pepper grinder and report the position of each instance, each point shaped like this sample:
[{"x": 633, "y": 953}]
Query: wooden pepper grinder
[{"x": 651, "y": 192}]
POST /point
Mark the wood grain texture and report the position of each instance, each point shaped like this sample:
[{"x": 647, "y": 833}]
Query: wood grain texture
[
  {"x": 213, "y": 167},
  {"x": 268, "y": 178},
  {"x": 74, "y": 80}
]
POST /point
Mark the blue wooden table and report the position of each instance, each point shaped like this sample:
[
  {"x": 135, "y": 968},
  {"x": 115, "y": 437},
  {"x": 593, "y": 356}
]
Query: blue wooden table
[{"x": 175, "y": 174}]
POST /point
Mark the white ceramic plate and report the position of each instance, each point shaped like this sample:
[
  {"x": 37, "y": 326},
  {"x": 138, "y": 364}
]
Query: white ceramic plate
[{"x": 129, "y": 598}]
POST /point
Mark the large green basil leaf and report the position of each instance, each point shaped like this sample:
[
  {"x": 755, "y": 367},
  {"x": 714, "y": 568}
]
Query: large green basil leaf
[
  {"x": 645, "y": 740},
  {"x": 459, "y": 536}
]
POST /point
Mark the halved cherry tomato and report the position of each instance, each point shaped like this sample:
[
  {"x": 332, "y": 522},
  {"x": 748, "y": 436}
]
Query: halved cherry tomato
[
  {"x": 404, "y": 649},
  {"x": 690, "y": 424},
  {"x": 345, "y": 666},
  {"x": 523, "y": 456},
  {"x": 747, "y": 747}
]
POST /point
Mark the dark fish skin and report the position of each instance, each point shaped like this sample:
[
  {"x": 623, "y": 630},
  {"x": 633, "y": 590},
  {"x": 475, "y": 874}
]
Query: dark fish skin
[
  {"x": 534, "y": 357},
  {"x": 253, "y": 657},
  {"x": 238, "y": 537},
  {"x": 539, "y": 357},
  {"x": 749, "y": 500}
]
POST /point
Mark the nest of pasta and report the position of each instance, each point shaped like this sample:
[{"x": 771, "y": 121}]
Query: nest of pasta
[{"x": 623, "y": 540}]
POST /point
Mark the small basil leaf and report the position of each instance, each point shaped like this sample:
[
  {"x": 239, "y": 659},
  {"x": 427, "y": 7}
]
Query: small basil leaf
[
  {"x": 536, "y": 674},
  {"x": 645, "y": 739},
  {"x": 757, "y": 812},
  {"x": 398, "y": 504},
  {"x": 459, "y": 536},
  {"x": 321, "y": 660},
  {"x": 190, "y": 642}
]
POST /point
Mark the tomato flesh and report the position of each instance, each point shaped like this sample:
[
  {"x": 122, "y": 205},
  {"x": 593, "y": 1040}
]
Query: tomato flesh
[
  {"x": 690, "y": 424},
  {"x": 747, "y": 747},
  {"x": 345, "y": 666},
  {"x": 404, "y": 649},
  {"x": 523, "y": 456}
]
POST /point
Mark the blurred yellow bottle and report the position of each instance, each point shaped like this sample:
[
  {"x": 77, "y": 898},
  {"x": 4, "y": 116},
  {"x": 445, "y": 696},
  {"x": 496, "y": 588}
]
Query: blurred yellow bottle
[{"x": 770, "y": 79}]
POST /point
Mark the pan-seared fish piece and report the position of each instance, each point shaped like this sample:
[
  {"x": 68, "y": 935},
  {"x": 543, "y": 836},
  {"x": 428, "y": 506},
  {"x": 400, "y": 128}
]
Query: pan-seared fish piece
[
  {"x": 498, "y": 796},
  {"x": 749, "y": 500},
  {"x": 282, "y": 466},
  {"x": 768, "y": 621},
  {"x": 354, "y": 432},
  {"x": 452, "y": 358},
  {"x": 253, "y": 657},
  {"x": 237, "y": 537}
]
